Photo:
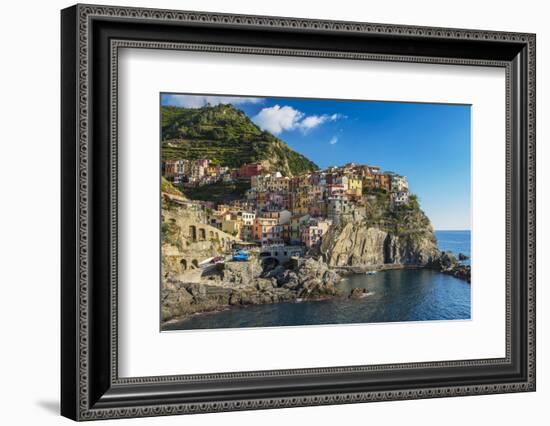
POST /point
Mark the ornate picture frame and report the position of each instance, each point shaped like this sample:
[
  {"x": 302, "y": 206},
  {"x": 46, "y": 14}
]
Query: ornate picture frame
[{"x": 91, "y": 37}]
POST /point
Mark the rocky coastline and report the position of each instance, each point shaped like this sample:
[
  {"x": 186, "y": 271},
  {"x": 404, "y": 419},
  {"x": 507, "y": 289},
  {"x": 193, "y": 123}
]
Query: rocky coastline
[
  {"x": 246, "y": 283},
  {"x": 453, "y": 267},
  {"x": 241, "y": 284}
]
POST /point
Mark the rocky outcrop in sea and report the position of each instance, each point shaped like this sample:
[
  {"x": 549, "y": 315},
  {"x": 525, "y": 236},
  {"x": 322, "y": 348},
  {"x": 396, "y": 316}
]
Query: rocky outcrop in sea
[{"x": 448, "y": 263}]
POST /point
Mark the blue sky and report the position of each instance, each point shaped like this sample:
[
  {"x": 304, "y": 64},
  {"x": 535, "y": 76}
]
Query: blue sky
[{"x": 428, "y": 143}]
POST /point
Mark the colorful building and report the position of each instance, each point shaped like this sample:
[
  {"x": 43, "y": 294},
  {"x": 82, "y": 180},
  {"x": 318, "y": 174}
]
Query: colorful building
[
  {"x": 271, "y": 182},
  {"x": 355, "y": 186},
  {"x": 312, "y": 233},
  {"x": 174, "y": 168},
  {"x": 266, "y": 230},
  {"x": 399, "y": 183},
  {"x": 339, "y": 209},
  {"x": 382, "y": 181},
  {"x": 247, "y": 171},
  {"x": 295, "y": 227},
  {"x": 247, "y": 217},
  {"x": 232, "y": 225}
]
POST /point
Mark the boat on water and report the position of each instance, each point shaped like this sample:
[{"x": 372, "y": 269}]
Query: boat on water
[
  {"x": 371, "y": 272},
  {"x": 366, "y": 294}
]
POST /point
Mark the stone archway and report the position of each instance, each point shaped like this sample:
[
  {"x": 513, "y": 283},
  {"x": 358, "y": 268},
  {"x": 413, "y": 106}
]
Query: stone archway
[
  {"x": 202, "y": 234},
  {"x": 183, "y": 263},
  {"x": 195, "y": 263},
  {"x": 269, "y": 263},
  {"x": 193, "y": 232}
]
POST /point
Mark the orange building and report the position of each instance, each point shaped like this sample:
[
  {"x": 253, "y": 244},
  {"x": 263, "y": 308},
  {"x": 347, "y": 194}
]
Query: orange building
[{"x": 266, "y": 229}]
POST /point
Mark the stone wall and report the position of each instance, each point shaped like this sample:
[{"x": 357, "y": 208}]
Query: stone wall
[{"x": 190, "y": 241}]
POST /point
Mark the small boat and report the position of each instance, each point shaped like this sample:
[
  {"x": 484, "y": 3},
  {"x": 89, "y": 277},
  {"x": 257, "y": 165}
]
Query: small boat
[
  {"x": 240, "y": 256},
  {"x": 206, "y": 262},
  {"x": 366, "y": 294},
  {"x": 371, "y": 272}
]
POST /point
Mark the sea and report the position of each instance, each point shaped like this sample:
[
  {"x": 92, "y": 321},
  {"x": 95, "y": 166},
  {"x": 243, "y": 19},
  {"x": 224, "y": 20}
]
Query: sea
[
  {"x": 390, "y": 296},
  {"x": 456, "y": 242}
]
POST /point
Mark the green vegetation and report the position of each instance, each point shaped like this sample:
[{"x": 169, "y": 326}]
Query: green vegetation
[
  {"x": 377, "y": 207},
  {"x": 408, "y": 220},
  {"x": 227, "y": 137},
  {"x": 170, "y": 234},
  {"x": 167, "y": 187},
  {"x": 219, "y": 192}
]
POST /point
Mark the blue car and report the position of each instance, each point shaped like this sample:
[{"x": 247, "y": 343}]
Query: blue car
[{"x": 240, "y": 256}]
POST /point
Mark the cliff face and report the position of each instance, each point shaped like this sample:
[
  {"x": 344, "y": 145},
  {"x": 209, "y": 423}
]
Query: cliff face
[
  {"x": 355, "y": 244},
  {"x": 402, "y": 237}
]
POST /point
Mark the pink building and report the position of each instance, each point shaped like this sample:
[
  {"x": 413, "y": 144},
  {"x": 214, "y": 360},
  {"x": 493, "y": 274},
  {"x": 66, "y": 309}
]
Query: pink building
[
  {"x": 202, "y": 163},
  {"x": 276, "y": 200},
  {"x": 312, "y": 234}
]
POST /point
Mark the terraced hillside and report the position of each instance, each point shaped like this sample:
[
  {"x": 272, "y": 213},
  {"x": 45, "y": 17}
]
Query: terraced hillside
[{"x": 226, "y": 136}]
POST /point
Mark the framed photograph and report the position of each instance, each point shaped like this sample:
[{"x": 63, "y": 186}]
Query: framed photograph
[{"x": 263, "y": 212}]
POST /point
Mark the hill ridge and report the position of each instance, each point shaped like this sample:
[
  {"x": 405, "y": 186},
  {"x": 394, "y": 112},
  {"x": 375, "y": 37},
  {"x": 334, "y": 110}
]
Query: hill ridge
[{"x": 228, "y": 137}]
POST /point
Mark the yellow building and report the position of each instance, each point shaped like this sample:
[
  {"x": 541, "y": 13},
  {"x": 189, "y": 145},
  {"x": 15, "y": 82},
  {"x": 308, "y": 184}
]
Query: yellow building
[
  {"x": 355, "y": 186},
  {"x": 232, "y": 226}
]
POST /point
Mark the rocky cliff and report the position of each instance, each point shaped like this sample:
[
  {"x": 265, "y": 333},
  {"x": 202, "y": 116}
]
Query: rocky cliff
[
  {"x": 401, "y": 237},
  {"x": 356, "y": 244}
]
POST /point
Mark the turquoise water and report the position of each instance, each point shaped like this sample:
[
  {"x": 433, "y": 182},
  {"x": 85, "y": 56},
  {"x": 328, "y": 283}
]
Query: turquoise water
[{"x": 392, "y": 296}]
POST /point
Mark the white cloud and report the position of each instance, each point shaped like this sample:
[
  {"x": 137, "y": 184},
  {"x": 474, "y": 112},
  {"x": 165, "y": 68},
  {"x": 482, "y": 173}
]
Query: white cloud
[
  {"x": 277, "y": 119},
  {"x": 313, "y": 121},
  {"x": 333, "y": 140},
  {"x": 198, "y": 101}
]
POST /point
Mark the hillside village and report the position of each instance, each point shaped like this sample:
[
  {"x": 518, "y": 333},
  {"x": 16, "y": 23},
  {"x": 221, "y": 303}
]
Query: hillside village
[{"x": 280, "y": 210}]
